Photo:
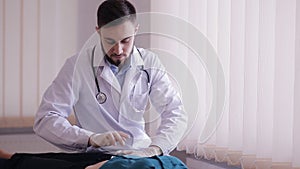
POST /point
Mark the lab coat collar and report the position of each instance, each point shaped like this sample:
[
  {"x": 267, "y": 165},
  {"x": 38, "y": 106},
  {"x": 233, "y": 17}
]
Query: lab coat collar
[
  {"x": 106, "y": 73},
  {"x": 99, "y": 60},
  {"x": 98, "y": 56},
  {"x": 137, "y": 59}
]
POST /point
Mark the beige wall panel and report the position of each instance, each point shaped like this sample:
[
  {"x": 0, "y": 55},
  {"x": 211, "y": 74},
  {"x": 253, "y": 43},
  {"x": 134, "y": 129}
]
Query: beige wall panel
[
  {"x": 47, "y": 50},
  {"x": 12, "y": 58},
  {"x": 30, "y": 54},
  {"x": 2, "y": 11}
]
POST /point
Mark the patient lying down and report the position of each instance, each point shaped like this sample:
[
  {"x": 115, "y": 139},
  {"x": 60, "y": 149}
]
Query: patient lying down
[{"x": 96, "y": 160}]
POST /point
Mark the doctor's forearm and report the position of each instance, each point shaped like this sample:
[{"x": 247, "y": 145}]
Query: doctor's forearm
[
  {"x": 61, "y": 133},
  {"x": 171, "y": 130}
]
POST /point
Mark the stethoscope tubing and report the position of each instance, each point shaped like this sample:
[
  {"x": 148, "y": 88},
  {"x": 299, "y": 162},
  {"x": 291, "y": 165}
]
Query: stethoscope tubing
[{"x": 100, "y": 96}]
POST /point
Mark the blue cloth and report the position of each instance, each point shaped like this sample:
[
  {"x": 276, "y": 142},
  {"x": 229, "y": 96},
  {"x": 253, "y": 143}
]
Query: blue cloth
[{"x": 155, "y": 162}]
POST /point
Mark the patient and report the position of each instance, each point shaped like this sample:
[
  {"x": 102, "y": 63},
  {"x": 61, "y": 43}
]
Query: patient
[
  {"x": 52, "y": 160},
  {"x": 86, "y": 161}
]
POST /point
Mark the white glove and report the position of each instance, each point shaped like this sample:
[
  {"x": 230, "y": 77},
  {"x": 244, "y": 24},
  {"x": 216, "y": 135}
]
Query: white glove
[
  {"x": 146, "y": 152},
  {"x": 110, "y": 138}
]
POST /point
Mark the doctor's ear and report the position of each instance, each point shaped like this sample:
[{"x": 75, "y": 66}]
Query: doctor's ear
[
  {"x": 97, "y": 29},
  {"x": 136, "y": 29}
]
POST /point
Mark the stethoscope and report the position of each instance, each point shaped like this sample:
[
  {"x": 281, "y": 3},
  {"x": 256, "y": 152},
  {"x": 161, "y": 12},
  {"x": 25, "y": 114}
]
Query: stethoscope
[{"x": 100, "y": 96}]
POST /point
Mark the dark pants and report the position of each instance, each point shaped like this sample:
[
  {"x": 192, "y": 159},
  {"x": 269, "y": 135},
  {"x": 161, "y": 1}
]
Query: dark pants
[
  {"x": 54, "y": 160},
  {"x": 2, "y": 162}
]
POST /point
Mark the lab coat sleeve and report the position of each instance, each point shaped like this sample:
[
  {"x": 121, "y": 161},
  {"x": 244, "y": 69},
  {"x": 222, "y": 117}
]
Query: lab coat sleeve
[
  {"x": 56, "y": 105},
  {"x": 166, "y": 100}
]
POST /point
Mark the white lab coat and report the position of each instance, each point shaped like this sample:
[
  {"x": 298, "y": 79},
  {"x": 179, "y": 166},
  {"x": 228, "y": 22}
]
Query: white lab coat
[{"x": 74, "y": 88}]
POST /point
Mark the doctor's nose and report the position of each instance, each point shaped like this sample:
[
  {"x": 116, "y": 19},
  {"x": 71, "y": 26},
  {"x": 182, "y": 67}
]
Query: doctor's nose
[{"x": 118, "y": 48}]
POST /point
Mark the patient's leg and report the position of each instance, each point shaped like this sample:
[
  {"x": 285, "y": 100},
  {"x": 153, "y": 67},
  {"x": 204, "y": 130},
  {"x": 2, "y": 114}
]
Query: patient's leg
[
  {"x": 5, "y": 155},
  {"x": 54, "y": 160},
  {"x": 97, "y": 165}
]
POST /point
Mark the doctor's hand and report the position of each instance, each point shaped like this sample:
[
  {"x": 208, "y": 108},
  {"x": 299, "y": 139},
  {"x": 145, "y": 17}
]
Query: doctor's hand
[
  {"x": 145, "y": 152},
  {"x": 110, "y": 138}
]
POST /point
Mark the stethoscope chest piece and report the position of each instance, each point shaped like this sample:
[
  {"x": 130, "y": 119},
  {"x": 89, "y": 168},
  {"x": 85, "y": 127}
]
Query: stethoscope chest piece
[{"x": 101, "y": 97}]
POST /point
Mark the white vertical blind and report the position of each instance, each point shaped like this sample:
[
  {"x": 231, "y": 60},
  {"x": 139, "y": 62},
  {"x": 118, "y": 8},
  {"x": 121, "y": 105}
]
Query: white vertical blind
[
  {"x": 257, "y": 42},
  {"x": 36, "y": 38},
  {"x": 296, "y": 120},
  {"x": 237, "y": 44},
  {"x": 223, "y": 49},
  {"x": 211, "y": 33},
  {"x": 250, "y": 73},
  {"x": 265, "y": 78},
  {"x": 162, "y": 6},
  {"x": 197, "y": 17},
  {"x": 284, "y": 80},
  {"x": 162, "y": 43}
]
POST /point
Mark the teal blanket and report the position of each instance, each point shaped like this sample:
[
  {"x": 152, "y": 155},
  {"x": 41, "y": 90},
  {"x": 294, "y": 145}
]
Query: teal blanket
[{"x": 155, "y": 162}]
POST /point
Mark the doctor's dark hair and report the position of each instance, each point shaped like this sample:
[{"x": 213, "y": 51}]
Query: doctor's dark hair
[{"x": 115, "y": 12}]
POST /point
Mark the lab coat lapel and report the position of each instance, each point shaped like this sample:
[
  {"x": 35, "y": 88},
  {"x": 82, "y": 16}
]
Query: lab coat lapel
[
  {"x": 128, "y": 83},
  {"x": 106, "y": 73},
  {"x": 110, "y": 78},
  {"x": 132, "y": 73}
]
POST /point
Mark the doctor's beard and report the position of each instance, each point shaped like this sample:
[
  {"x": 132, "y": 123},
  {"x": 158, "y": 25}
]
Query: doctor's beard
[{"x": 116, "y": 62}]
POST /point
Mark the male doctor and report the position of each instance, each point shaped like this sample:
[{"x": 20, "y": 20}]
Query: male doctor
[{"x": 108, "y": 86}]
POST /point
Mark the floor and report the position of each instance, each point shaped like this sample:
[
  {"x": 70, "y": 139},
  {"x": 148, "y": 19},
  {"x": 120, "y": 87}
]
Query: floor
[
  {"x": 29, "y": 143},
  {"x": 193, "y": 163},
  {"x": 25, "y": 141}
]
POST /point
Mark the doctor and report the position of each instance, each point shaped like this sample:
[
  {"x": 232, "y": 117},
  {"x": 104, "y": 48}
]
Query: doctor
[{"x": 109, "y": 86}]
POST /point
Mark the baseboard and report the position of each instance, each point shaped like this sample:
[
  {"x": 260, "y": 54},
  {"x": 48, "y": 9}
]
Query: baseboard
[
  {"x": 16, "y": 122},
  {"x": 16, "y": 130},
  {"x": 24, "y": 122}
]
